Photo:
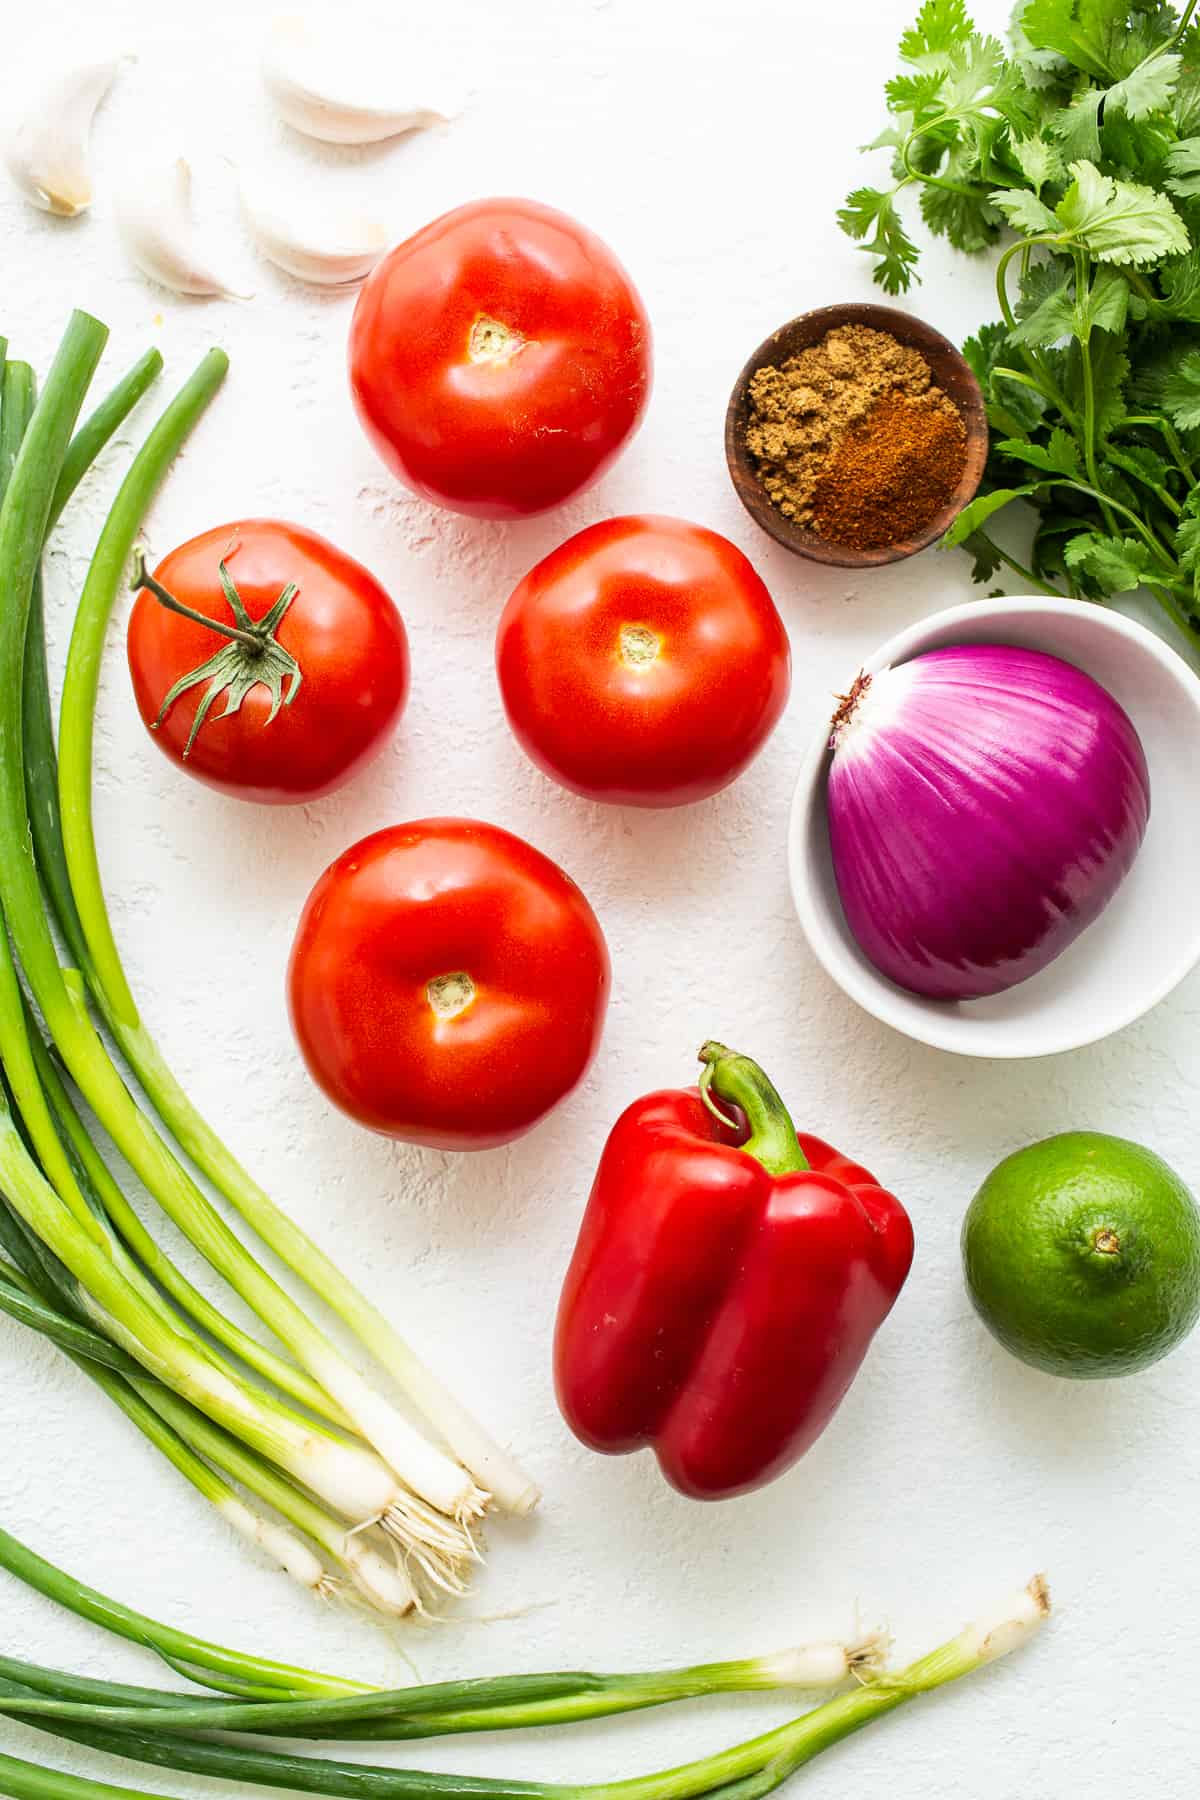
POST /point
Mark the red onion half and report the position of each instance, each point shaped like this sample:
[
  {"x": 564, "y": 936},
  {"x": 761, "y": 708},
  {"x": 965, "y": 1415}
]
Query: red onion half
[{"x": 985, "y": 804}]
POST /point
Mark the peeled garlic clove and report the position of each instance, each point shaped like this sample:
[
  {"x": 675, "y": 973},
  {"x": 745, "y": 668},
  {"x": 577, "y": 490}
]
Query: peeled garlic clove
[
  {"x": 328, "y": 90},
  {"x": 332, "y": 250},
  {"x": 47, "y": 155},
  {"x": 154, "y": 218}
]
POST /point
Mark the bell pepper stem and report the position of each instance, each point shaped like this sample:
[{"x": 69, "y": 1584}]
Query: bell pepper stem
[{"x": 740, "y": 1082}]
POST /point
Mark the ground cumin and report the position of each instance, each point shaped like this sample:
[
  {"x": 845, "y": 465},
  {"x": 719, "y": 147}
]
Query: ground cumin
[{"x": 853, "y": 438}]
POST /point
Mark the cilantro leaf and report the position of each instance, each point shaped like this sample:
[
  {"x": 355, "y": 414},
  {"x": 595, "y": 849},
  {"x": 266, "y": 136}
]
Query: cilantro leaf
[
  {"x": 894, "y": 250},
  {"x": 1082, "y": 31},
  {"x": 1012, "y": 408},
  {"x": 1148, "y": 88},
  {"x": 1059, "y": 457},
  {"x": 1187, "y": 546},
  {"x": 1105, "y": 306},
  {"x": 1120, "y": 221},
  {"x": 1024, "y": 211},
  {"x": 941, "y": 24},
  {"x": 1046, "y": 306},
  {"x": 1136, "y": 459},
  {"x": 986, "y": 559},
  {"x": 1183, "y": 168},
  {"x": 1118, "y": 564},
  {"x": 1180, "y": 284},
  {"x": 862, "y": 210},
  {"x": 1040, "y": 161},
  {"x": 1186, "y": 108},
  {"x": 1156, "y": 362},
  {"x": 915, "y": 93},
  {"x": 1077, "y": 127},
  {"x": 1181, "y": 391},
  {"x": 1040, "y": 68},
  {"x": 972, "y": 517},
  {"x": 970, "y": 221}
]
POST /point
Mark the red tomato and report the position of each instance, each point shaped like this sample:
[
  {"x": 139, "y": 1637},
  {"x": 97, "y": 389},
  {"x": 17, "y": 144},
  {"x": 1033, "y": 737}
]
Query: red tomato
[
  {"x": 643, "y": 661},
  {"x": 341, "y": 629},
  {"x": 448, "y": 983},
  {"x": 500, "y": 358}
]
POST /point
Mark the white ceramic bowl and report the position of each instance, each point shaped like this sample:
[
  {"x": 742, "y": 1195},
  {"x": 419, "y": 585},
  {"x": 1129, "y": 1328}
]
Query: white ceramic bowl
[{"x": 1146, "y": 940}]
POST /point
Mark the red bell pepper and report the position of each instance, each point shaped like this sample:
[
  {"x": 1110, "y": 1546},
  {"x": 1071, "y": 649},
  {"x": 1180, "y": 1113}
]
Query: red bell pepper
[{"x": 729, "y": 1277}]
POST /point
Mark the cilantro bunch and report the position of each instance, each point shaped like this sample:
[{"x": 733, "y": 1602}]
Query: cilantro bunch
[{"x": 1079, "y": 145}]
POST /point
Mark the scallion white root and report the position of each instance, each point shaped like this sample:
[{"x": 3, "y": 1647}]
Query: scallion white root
[
  {"x": 826, "y": 1665},
  {"x": 382, "y": 1581},
  {"x": 288, "y": 1551},
  {"x": 1008, "y": 1627},
  {"x": 281, "y": 1545}
]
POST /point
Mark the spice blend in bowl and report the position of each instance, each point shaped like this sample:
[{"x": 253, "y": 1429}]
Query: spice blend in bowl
[
  {"x": 856, "y": 434},
  {"x": 854, "y": 438}
]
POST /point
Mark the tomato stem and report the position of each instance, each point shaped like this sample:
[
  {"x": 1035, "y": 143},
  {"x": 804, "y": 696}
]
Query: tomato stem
[
  {"x": 734, "y": 1078},
  {"x": 253, "y": 640},
  {"x": 252, "y": 657}
]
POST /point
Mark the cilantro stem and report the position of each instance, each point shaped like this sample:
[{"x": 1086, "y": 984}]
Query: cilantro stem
[
  {"x": 1018, "y": 568},
  {"x": 1104, "y": 502},
  {"x": 1165, "y": 595},
  {"x": 1036, "y": 364},
  {"x": 1087, "y": 373},
  {"x": 1156, "y": 422},
  {"x": 1164, "y": 497},
  {"x": 1181, "y": 28},
  {"x": 972, "y": 190},
  {"x": 1055, "y": 399}
]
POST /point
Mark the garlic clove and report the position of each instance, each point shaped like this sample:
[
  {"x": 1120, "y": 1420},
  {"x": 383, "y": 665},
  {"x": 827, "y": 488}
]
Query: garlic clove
[
  {"x": 327, "y": 248},
  {"x": 47, "y": 154},
  {"x": 325, "y": 89},
  {"x": 154, "y": 218}
]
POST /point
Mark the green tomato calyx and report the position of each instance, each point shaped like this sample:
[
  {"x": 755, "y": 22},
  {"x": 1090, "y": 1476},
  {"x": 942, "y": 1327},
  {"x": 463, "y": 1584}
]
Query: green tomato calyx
[{"x": 251, "y": 656}]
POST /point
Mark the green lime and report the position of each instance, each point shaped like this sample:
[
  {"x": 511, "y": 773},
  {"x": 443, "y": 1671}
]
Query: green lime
[{"x": 1082, "y": 1255}]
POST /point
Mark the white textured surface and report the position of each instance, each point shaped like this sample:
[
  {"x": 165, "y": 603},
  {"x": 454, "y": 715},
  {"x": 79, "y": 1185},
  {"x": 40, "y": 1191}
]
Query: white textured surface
[{"x": 709, "y": 143}]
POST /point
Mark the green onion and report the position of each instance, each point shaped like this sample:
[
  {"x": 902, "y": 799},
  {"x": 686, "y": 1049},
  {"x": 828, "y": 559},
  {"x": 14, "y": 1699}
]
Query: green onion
[
  {"x": 750, "y": 1769},
  {"x": 26, "y": 1781},
  {"x": 378, "y": 1577},
  {"x": 498, "y": 1703},
  {"x": 108, "y": 1194},
  {"x": 440, "y": 1550},
  {"x": 186, "y": 1437},
  {"x": 103, "y": 1262},
  {"x": 85, "y": 1181},
  {"x": 105, "y": 975},
  {"x": 179, "y": 1648},
  {"x": 344, "y": 1468},
  {"x": 41, "y": 774},
  {"x": 347, "y": 1477}
]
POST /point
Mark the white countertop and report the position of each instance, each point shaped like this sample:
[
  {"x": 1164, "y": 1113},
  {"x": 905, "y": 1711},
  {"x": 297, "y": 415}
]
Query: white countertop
[{"x": 709, "y": 143}]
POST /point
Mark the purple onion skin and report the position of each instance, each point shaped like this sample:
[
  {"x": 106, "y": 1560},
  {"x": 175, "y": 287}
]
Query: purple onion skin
[{"x": 981, "y": 815}]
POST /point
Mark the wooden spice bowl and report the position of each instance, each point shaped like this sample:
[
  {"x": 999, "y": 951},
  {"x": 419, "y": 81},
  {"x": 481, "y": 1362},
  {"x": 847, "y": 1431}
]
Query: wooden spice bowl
[{"x": 951, "y": 373}]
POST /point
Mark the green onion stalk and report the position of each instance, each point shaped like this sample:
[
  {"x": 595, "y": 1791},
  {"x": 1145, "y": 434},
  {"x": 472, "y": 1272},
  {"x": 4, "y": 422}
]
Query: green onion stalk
[
  {"x": 84, "y": 1179},
  {"x": 455, "y": 1708},
  {"x": 388, "y": 1470},
  {"x": 104, "y": 973},
  {"x": 142, "y": 1330},
  {"x": 156, "y": 1734},
  {"x": 192, "y": 1656},
  {"x": 278, "y": 1699},
  {"x": 204, "y": 1455}
]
